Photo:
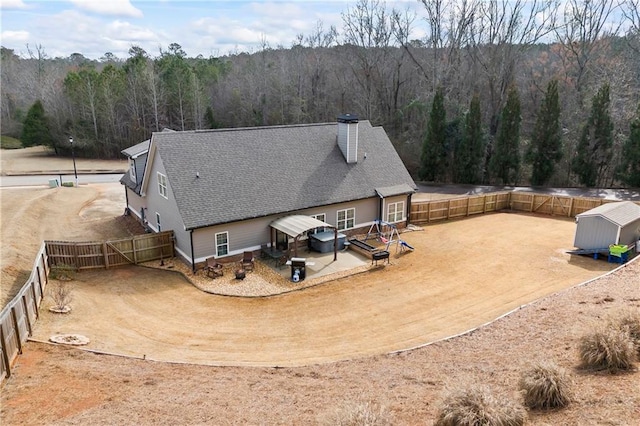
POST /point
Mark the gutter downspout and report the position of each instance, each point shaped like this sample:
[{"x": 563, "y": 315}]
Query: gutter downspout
[
  {"x": 193, "y": 260},
  {"x": 126, "y": 198}
]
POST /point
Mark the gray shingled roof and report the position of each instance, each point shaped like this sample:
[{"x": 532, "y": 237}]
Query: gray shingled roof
[
  {"x": 253, "y": 172},
  {"x": 136, "y": 150},
  {"x": 620, "y": 213}
]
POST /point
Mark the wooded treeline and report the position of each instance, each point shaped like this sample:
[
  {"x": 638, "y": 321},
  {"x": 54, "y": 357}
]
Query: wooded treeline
[{"x": 497, "y": 92}]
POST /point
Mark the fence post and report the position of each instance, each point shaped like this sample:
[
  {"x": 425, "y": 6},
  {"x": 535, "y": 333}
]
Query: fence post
[
  {"x": 134, "y": 250},
  {"x": 35, "y": 300},
  {"x": 46, "y": 272},
  {"x": 5, "y": 355},
  {"x": 16, "y": 328},
  {"x": 26, "y": 312},
  {"x": 571, "y": 207},
  {"x": 40, "y": 281},
  {"x": 429, "y": 212},
  {"x": 104, "y": 254}
]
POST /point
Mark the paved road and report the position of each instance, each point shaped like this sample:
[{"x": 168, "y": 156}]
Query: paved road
[
  {"x": 608, "y": 194},
  {"x": 43, "y": 180}
]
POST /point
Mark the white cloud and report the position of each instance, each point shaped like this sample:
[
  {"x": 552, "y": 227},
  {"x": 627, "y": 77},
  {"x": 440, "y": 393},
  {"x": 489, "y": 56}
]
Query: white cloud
[
  {"x": 120, "y": 30},
  {"x": 13, "y": 4},
  {"x": 109, "y": 7},
  {"x": 15, "y": 37}
]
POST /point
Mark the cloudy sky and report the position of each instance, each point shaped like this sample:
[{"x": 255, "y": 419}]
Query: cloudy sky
[{"x": 94, "y": 27}]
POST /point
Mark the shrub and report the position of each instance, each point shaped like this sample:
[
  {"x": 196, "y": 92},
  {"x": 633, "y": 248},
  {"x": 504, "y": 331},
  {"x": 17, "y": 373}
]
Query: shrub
[
  {"x": 477, "y": 407},
  {"x": 607, "y": 348},
  {"x": 545, "y": 386},
  {"x": 7, "y": 142},
  {"x": 360, "y": 413},
  {"x": 61, "y": 295}
]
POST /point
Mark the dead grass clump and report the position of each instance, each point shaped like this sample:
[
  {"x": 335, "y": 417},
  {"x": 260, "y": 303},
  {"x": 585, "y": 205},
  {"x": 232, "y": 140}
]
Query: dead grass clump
[
  {"x": 545, "y": 386},
  {"x": 359, "y": 413},
  {"x": 607, "y": 348},
  {"x": 478, "y": 407},
  {"x": 628, "y": 321},
  {"x": 62, "y": 272}
]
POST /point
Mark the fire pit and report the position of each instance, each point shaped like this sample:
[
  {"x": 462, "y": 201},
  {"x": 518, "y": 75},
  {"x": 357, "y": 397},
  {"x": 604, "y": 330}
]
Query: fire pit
[{"x": 240, "y": 274}]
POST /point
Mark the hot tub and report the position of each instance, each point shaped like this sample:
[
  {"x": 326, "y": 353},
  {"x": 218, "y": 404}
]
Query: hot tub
[{"x": 323, "y": 241}]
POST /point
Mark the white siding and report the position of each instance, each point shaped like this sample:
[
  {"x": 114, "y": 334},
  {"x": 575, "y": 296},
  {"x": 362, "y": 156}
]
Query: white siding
[
  {"x": 168, "y": 210},
  {"x": 135, "y": 203}
]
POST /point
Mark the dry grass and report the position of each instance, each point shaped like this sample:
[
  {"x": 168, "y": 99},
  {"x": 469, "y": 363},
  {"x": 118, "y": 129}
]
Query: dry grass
[
  {"x": 359, "y": 413},
  {"x": 478, "y": 407},
  {"x": 546, "y": 386},
  {"x": 628, "y": 321},
  {"x": 607, "y": 348}
]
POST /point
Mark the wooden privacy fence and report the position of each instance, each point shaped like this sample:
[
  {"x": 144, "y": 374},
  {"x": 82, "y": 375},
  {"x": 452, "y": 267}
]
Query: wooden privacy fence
[
  {"x": 431, "y": 211},
  {"x": 555, "y": 205},
  {"x": 107, "y": 254},
  {"x": 20, "y": 314}
]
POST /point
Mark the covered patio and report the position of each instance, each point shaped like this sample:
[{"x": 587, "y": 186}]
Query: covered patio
[{"x": 295, "y": 226}]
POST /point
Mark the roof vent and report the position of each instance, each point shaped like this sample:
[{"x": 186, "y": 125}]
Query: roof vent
[{"x": 348, "y": 136}]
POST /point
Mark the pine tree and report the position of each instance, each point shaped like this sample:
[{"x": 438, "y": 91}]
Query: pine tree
[
  {"x": 470, "y": 154},
  {"x": 505, "y": 161},
  {"x": 546, "y": 143},
  {"x": 35, "y": 129},
  {"x": 209, "y": 119},
  {"x": 434, "y": 150},
  {"x": 594, "y": 151},
  {"x": 629, "y": 170}
]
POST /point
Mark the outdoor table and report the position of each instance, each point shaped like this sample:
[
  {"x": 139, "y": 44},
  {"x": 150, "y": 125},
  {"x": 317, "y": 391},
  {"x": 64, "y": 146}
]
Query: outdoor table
[{"x": 273, "y": 254}]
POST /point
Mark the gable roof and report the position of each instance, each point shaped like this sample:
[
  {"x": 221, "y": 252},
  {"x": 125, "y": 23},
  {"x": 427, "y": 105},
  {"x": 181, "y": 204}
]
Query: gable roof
[
  {"x": 620, "y": 213},
  {"x": 221, "y": 176},
  {"x": 137, "y": 150}
]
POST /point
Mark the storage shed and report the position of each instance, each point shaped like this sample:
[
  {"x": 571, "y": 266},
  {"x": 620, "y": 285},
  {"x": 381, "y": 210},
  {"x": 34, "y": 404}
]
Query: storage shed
[{"x": 611, "y": 223}]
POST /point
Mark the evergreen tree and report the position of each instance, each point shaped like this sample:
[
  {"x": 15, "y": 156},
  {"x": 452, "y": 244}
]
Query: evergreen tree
[
  {"x": 594, "y": 150},
  {"x": 505, "y": 161},
  {"x": 546, "y": 143},
  {"x": 629, "y": 170},
  {"x": 434, "y": 151},
  {"x": 209, "y": 120},
  {"x": 470, "y": 154},
  {"x": 35, "y": 129}
]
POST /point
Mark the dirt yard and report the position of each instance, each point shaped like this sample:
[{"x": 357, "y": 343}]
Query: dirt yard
[{"x": 463, "y": 274}]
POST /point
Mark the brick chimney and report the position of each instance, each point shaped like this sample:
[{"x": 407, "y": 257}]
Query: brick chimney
[{"x": 348, "y": 137}]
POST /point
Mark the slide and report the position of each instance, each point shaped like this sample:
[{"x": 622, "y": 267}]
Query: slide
[{"x": 406, "y": 244}]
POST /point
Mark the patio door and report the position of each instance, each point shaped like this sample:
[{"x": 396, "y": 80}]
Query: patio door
[{"x": 282, "y": 241}]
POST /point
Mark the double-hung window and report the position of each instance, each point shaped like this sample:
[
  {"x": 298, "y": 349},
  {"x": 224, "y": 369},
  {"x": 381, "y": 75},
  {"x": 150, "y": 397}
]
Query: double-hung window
[
  {"x": 162, "y": 185},
  {"x": 158, "y": 224},
  {"x": 222, "y": 244},
  {"x": 395, "y": 212},
  {"x": 346, "y": 219}
]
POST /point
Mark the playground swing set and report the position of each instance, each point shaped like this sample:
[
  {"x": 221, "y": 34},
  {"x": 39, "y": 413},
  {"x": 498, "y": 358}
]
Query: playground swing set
[{"x": 387, "y": 233}]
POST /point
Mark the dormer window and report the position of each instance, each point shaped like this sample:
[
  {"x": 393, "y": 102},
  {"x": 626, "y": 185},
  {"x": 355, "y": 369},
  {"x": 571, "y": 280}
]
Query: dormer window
[{"x": 132, "y": 169}]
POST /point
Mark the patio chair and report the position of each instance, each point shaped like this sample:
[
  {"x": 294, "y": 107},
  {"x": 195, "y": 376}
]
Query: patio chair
[
  {"x": 213, "y": 269},
  {"x": 247, "y": 261}
]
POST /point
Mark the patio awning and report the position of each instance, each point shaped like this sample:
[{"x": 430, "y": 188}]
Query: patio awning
[{"x": 297, "y": 224}]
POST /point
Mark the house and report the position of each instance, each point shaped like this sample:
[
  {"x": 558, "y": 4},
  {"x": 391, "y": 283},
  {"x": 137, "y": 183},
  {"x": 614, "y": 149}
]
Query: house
[
  {"x": 611, "y": 223},
  {"x": 227, "y": 191}
]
